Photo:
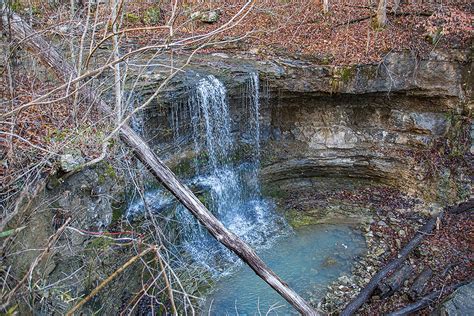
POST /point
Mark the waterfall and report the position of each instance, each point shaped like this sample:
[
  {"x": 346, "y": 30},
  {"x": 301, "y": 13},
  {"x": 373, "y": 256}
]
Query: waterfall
[
  {"x": 132, "y": 101},
  {"x": 229, "y": 189},
  {"x": 254, "y": 98},
  {"x": 211, "y": 121},
  {"x": 233, "y": 188}
]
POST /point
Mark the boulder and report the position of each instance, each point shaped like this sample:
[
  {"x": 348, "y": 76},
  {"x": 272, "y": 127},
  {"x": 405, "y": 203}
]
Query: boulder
[
  {"x": 460, "y": 303},
  {"x": 70, "y": 162},
  {"x": 210, "y": 16}
]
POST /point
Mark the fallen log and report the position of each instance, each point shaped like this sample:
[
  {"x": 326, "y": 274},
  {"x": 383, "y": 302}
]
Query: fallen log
[
  {"x": 463, "y": 207},
  {"x": 393, "y": 283},
  {"x": 420, "y": 283},
  {"x": 425, "y": 301},
  {"x": 49, "y": 56},
  {"x": 366, "y": 292},
  {"x": 357, "y": 20}
]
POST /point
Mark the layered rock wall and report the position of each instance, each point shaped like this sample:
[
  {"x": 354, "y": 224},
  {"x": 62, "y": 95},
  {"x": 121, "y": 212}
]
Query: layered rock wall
[{"x": 390, "y": 122}]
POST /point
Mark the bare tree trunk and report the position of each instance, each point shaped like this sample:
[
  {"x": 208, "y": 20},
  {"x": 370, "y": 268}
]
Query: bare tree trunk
[
  {"x": 396, "y": 5},
  {"x": 117, "y": 72},
  {"x": 382, "y": 13},
  {"x": 40, "y": 48},
  {"x": 325, "y": 6},
  {"x": 8, "y": 54}
]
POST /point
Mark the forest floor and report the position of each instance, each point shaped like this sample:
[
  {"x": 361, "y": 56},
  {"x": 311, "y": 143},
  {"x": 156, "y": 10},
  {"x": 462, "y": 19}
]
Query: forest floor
[
  {"x": 447, "y": 252},
  {"x": 345, "y": 35}
]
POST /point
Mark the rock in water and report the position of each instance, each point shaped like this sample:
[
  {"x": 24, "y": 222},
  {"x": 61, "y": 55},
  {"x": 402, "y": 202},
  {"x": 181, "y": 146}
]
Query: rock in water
[{"x": 460, "y": 302}]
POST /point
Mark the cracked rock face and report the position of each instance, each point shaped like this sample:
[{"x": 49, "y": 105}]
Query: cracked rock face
[
  {"x": 356, "y": 136},
  {"x": 89, "y": 198}
]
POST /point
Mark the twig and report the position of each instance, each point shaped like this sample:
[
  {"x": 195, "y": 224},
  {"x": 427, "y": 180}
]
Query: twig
[
  {"x": 167, "y": 283},
  {"x": 29, "y": 143}
]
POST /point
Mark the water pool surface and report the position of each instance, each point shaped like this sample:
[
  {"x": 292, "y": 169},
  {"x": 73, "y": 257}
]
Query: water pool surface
[{"x": 307, "y": 260}]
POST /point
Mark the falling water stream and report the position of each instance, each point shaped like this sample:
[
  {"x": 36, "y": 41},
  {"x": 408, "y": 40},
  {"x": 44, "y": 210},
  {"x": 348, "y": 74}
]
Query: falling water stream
[
  {"x": 234, "y": 197},
  {"x": 234, "y": 190}
]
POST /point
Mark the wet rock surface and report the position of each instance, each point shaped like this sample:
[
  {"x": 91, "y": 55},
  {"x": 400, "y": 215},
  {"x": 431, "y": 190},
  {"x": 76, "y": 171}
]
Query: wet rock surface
[
  {"x": 368, "y": 137},
  {"x": 383, "y": 122},
  {"x": 440, "y": 74}
]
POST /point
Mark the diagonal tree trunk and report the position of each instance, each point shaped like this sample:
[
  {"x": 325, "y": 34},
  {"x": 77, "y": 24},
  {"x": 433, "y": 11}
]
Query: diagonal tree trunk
[{"x": 49, "y": 56}]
